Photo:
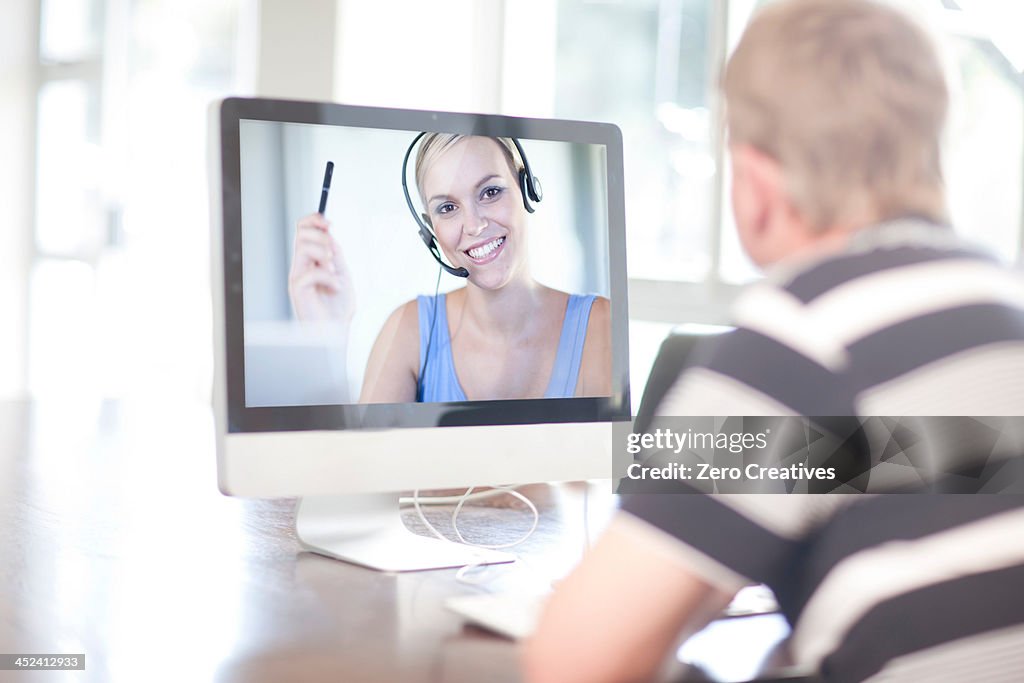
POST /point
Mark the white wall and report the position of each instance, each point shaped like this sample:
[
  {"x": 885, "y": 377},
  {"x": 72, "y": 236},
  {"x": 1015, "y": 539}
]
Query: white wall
[
  {"x": 18, "y": 20},
  {"x": 444, "y": 55},
  {"x": 295, "y": 58}
]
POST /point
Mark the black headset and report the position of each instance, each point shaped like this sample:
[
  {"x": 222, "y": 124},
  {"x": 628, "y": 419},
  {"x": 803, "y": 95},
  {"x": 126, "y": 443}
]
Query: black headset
[{"x": 529, "y": 186}]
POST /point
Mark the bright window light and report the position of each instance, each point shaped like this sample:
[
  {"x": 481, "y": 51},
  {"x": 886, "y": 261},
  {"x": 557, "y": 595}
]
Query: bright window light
[{"x": 1002, "y": 20}]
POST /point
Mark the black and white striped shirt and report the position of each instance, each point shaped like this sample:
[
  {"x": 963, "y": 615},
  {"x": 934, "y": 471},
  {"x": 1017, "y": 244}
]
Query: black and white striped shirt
[
  {"x": 901, "y": 588},
  {"x": 895, "y": 588},
  {"x": 906, "y": 321}
]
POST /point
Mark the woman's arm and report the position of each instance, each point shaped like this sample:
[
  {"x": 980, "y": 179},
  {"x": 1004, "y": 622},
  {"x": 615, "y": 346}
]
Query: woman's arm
[
  {"x": 392, "y": 368},
  {"x": 596, "y": 365},
  {"x": 319, "y": 282}
]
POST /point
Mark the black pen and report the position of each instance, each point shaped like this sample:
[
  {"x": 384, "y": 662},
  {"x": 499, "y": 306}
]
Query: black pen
[{"x": 328, "y": 172}]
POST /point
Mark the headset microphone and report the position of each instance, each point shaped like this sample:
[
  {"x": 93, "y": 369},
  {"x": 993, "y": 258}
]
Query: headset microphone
[{"x": 428, "y": 239}]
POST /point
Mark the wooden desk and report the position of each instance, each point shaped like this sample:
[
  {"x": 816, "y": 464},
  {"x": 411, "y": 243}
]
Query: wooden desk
[{"x": 115, "y": 541}]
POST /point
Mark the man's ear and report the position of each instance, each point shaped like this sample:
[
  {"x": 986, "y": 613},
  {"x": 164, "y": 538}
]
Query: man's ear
[{"x": 759, "y": 177}]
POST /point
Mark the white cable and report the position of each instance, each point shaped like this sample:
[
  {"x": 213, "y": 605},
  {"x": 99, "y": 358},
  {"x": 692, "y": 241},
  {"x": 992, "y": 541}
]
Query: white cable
[
  {"x": 451, "y": 500},
  {"x": 463, "y": 574},
  {"x": 458, "y": 508},
  {"x": 423, "y": 518},
  {"x": 497, "y": 546}
]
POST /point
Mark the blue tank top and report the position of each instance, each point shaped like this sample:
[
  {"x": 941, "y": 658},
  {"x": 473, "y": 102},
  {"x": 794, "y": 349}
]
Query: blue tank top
[{"x": 439, "y": 382}]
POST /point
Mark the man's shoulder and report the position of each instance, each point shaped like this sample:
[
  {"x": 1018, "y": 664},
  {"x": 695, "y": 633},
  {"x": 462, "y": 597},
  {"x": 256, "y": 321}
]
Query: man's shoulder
[
  {"x": 898, "y": 249},
  {"x": 899, "y": 322}
]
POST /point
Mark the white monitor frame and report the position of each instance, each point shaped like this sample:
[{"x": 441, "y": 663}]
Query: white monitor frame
[{"x": 318, "y": 462}]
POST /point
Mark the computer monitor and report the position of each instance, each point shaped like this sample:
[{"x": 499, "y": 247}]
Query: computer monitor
[{"x": 297, "y": 412}]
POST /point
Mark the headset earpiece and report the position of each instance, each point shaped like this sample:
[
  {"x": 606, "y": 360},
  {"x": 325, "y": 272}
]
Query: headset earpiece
[
  {"x": 529, "y": 184},
  {"x": 531, "y": 189},
  {"x": 536, "y": 189},
  {"x": 524, "y": 189}
]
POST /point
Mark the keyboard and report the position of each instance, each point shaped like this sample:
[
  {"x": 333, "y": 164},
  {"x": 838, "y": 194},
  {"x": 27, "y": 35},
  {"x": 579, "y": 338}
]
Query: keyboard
[{"x": 515, "y": 615}]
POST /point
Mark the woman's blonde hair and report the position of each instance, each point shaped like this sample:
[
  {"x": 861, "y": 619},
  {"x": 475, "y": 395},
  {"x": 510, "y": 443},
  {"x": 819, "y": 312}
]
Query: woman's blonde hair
[
  {"x": 850, "y": 98},
  {"x": 433, "y": 144}
]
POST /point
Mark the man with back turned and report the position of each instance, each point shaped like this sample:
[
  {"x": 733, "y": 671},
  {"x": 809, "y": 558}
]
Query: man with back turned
[{"x": 870, "y": 307}]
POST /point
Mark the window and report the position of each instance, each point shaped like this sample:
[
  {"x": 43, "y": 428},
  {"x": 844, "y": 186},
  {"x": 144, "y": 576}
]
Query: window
[
  {"x": 119, "y": 285},
  {"x": 120, "y": 271},
  {"x": 651, "y": 66},
  {"x": 648, "y": 67}
]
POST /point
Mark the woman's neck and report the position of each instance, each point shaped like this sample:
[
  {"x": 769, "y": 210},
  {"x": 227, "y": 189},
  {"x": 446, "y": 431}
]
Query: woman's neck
[{"x": 507, "y": 312}]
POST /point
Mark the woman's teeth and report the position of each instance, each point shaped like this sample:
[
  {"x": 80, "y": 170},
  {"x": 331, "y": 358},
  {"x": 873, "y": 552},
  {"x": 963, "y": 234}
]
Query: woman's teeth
[{"x": 484, "y": 250}]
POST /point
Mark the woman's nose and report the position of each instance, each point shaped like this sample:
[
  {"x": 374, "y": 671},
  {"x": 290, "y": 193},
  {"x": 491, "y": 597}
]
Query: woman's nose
[{"x": 474, "y": 223}]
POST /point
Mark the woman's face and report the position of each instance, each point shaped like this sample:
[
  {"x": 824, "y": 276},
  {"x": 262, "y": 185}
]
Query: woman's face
[{"x": 476, "y": 210}]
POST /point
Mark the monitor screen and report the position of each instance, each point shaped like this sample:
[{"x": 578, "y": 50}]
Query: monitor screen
[{"x": 464, "y": 270}]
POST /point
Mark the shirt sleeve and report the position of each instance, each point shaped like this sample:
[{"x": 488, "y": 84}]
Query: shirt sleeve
[
  {"x": 747, "y": 372},
  {"x": 760, "y": 537}
]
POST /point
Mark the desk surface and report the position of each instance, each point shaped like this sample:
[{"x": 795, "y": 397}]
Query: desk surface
[{"x": 115, "y": 541}]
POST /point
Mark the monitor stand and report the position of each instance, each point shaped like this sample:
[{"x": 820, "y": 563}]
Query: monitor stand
[{"x": 367, "y": 529}]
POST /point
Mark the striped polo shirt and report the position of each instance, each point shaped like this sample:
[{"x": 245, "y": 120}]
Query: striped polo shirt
[
  {"x": 905, "y": 321},
  {"x": 895, "y": 588}
]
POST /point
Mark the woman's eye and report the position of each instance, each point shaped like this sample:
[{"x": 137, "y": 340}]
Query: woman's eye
[
  {"x": 447, "y": 207},
  {"x": 491, "y": 192}
]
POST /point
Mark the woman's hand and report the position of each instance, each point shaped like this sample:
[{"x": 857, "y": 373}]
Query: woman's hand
[{"x": 319, "y": 283}]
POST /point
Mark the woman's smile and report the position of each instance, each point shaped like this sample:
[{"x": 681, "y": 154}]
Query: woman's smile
[{"x": 484, "y": 252}]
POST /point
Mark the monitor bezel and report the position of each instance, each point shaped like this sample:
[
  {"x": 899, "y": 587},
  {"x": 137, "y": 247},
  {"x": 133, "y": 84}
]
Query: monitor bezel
[{"x": 244, "y": 419}]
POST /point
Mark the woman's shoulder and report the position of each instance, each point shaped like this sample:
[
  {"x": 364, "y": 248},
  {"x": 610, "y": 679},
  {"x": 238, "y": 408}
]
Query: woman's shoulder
[
  {"x": 601, "y": 307},
  {"x": 391, "y": 368},
  {"x": 599, "y": 325},
  {"x": 401, "y": 332},
  {"x": 406, "y": 316},
  {"x": 595, "y": 368},
  {"x": 551, "y": 291}
]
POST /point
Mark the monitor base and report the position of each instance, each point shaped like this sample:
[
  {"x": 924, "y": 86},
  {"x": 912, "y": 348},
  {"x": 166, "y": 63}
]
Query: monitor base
[{"x": 366, "y": 529}]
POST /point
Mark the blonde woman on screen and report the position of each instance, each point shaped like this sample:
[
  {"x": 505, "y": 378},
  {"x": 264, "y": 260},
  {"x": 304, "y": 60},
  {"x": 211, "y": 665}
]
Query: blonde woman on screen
[{"x": 501, "y": 336}]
